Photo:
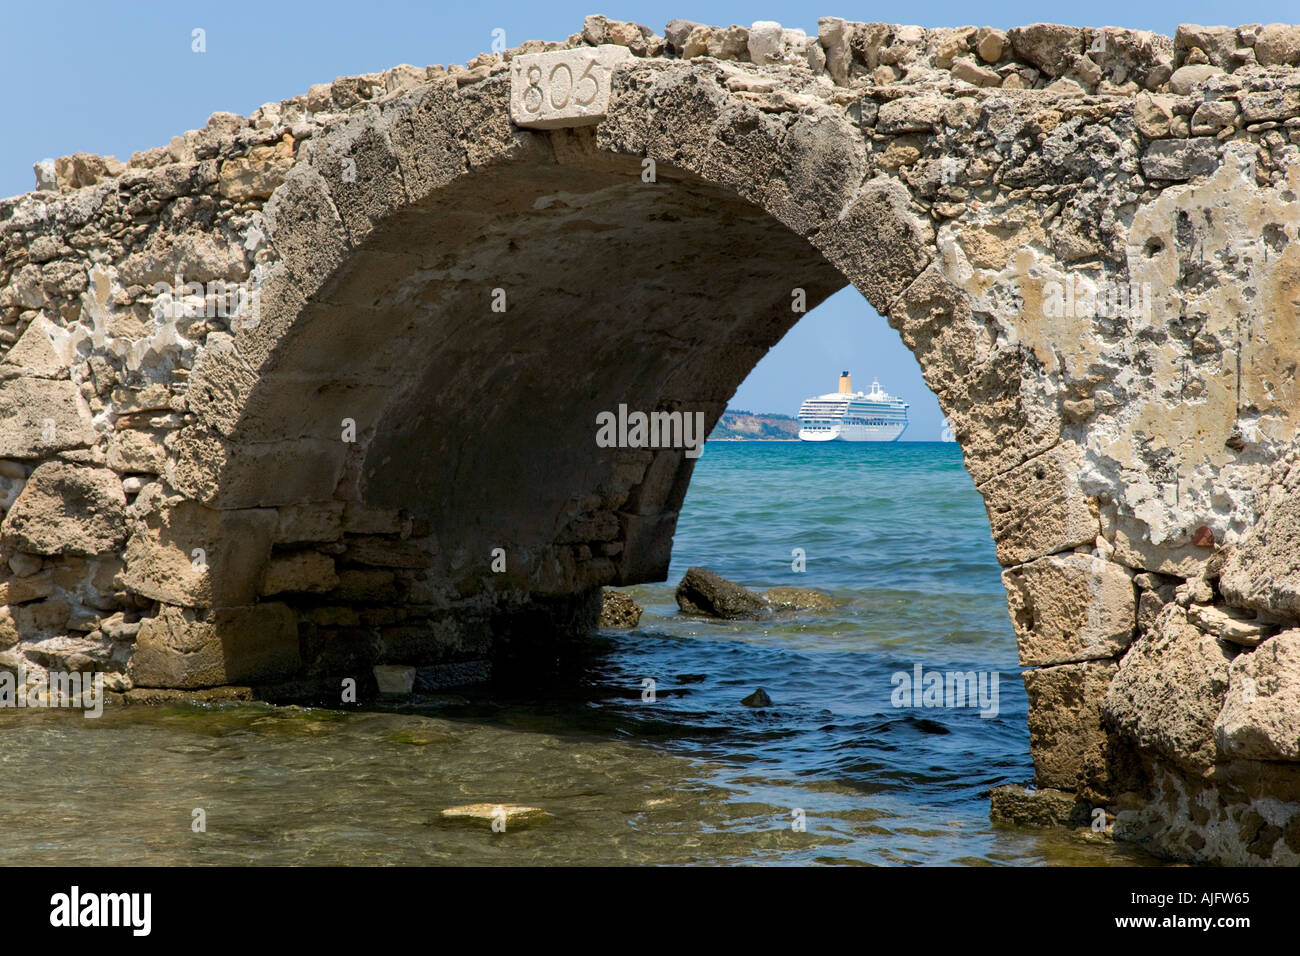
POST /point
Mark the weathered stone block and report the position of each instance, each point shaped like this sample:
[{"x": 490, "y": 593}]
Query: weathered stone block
[
  {"x": 1133, "y": 548},
  {"x": 426, "y": 643},
  {"x": 34, "y": 354},
  {"x": 306, "y": 228},
  {"x": 1169, "y": 689},
  {"x": 655, "y": 489},
  {"x": 563, "y": 87},
  {"x": 357, "y": 163},
  {"x": 313, "y": 521},
  {"x": 425, "y": 139},
  {"x": 1066, "y": 737},
  {"x": 1212, "y": 116},
  {"x": 228, "y": 394},
  {"x": 1263, "y": 570},
  {"x": 386, "y": 553},
  {"x": 1049, "y": 46},
  {"x": 1038, "y": 508},
  {"x": 42, "y": 619},
  {"x": 1269, "y": 105},
  {"x": 911, "y": 114},
  {"x": 67, "y": 509},
  {"x": 1218, "y": 43},
  {"x": 1069, "y": 608},
  {"x": 229, "y": 475},
  {"x": 1278, "y": 43},
  {"x": 1153, "y": 114},
  {"x": 617, "y": 610},
  {"x": 178, "y": 649},
  {"x": 701, "y": 591},
  {"x": 32, "y": 588},
  {"x": 256, "y": 175},
  {"x": 8, "y": 628},
  {"x": 890, "y": 244},
  {"x": 1230, "y": 624},
  {"x": 183, "y": 553},
  {"x": 194, "y": 256},
  {"x": 966, "y": 70},
  {"x": 301, "y": 572},
  {"x": 137, "y": 451},
  {"x": 1260, "y": 719},
  {"x": 648, "y": 546},
  {"x": 1188, "y": 79},
  {"x": 39, "y": 417},
  {"x": 816, "y": 179}
]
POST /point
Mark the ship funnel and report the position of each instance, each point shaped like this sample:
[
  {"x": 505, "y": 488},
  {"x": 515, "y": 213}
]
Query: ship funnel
[{"x": 846, "y": 383}]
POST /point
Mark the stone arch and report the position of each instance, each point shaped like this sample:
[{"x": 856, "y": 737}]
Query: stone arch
[
  {"x": 706, "y": 254},
  {"x": 978, "y": 188},
  {"x": 704, "y": 260}
]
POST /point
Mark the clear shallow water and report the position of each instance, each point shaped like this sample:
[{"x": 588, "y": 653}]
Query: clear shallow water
[{"x": 896, "y": 533}]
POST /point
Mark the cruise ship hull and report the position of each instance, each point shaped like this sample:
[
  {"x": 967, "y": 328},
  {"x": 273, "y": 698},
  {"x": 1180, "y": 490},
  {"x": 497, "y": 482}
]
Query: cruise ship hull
[
  {"x": 847, "y": 415},
  {"x": 855, "y": 433}
]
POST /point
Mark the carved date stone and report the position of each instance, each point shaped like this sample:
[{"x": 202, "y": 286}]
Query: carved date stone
[{"x": 563, "y": 87}]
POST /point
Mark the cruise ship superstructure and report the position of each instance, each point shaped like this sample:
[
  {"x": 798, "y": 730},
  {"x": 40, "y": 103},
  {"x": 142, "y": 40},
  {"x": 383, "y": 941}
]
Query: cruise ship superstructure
[{"x": 847, "y": 415}]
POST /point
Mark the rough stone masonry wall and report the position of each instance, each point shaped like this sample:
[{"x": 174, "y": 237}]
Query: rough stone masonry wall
[{"x": 180, "y": 510}]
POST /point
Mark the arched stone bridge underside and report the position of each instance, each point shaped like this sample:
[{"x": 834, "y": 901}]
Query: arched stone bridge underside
[{"x": 434, "y": 303}]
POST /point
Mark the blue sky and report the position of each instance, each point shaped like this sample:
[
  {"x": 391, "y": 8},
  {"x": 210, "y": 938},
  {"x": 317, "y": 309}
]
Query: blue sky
[{"x": 115, "y": 77}]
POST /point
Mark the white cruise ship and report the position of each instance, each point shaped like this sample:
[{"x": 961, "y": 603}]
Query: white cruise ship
[{"x": 847, "y": 415}]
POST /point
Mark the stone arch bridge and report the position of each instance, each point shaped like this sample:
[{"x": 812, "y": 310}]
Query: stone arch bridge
[{"x": 272, "y": 396}]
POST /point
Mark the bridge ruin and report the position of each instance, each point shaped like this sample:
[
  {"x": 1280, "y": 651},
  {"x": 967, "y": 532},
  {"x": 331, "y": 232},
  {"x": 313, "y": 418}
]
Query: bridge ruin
[{"x": 314, "y": 390}]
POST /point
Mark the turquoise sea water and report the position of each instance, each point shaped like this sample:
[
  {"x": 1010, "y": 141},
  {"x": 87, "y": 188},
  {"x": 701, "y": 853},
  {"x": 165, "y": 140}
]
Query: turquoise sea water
[{"x": 896, "y": 533}]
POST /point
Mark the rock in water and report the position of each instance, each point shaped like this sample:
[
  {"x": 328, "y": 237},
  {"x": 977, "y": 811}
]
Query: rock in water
[
  {"x": 798, "y": 599},
  {"x": 618, "y": 610},
  {"x": 394, "y": 680},
  {"x": 703, "y": 592},
  {"x": 1027, "y": 807},
  {"x": 504, "y": 815},
  {"x": 758, "y": 699}
]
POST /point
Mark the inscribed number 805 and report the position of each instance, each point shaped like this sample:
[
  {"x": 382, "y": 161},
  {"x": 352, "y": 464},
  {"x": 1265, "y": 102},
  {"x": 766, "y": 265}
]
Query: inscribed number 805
[{"x": 534, "y": 97}]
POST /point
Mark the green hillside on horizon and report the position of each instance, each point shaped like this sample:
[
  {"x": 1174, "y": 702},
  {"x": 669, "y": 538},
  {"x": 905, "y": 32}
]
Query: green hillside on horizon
[{"x": 741, "y": 425}]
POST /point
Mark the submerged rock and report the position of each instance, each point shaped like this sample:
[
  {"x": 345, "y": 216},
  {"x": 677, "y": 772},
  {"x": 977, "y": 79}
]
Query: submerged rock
[
  {"x": 618, "y": 610},
  {"x": 420, "y": 737},
  {"x": 1026, "y": 807},
  {"x": 758, "y": 699},
  {"x": 394, "y": 680},
  {"x": 511, "y": 814},
  {"x": 703, "y": 592},
  {"x": 798, "y": 599}
]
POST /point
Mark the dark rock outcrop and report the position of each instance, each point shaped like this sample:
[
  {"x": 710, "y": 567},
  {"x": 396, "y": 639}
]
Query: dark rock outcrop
[
  {"x": 618, "y": 610},
  {"x": 703, "y": 592},
  {"x": 798, "y": 599},
  {"x": 1027, "y": 807},
  {"x": 758, "y": 699}
]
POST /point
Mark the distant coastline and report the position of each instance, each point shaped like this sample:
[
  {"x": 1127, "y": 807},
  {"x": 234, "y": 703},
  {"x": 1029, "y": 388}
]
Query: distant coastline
[{"x": 741, "y": 425}]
